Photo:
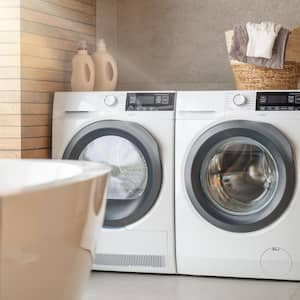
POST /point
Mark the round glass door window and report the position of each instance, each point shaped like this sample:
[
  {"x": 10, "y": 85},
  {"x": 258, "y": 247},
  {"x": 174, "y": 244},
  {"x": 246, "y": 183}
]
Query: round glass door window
[
  {"x": 239, "y": 176},
  {"x": 134, "y": 156},
  {"x": 129, "y": 176}
]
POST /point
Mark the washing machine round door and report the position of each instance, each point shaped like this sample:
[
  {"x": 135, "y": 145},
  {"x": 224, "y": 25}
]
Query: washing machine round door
[
  {"x": 134, "y": 157},
  {"x": 240, "y": 175}
]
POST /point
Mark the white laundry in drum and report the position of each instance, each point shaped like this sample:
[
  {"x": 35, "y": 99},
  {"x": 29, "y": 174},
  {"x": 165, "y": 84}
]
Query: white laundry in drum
[{"x": 129, "y": 169}]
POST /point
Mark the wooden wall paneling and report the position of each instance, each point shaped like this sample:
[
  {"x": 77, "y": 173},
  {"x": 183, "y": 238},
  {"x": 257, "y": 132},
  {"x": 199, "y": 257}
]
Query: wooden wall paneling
[
  {"x": 35, "y": 108},
  {"x": 9, "y": 49},
  {"x": 9, "y": 25},
  {"x": 9, "y": 73},
  {"x": 32, "y": 143},
  {"x": 56, "y": 32},
  {"x": 10, "y": 144},
  {"x": 36, "y": 131},
  {"x": 91, "y": 2},
  {"x": 10, "y": 121},
  {"x": 52, "y": 9},
  {"x": 45, "y": 63},
  {"x": 10, "y": 3},
  {"x": 12, "y": 154},
  {"x": 13, "y": 108},
  {"x": 9, "y": 61},
  {"x": 38, "y": 39},
  {"x": 10, "y": 83},
  {"x": 47, "y": 42},
  {"x": 37, "y": 17},
  {"x": 50, "y": 32},
  {"x": 36, "y": 97},
  {"x": 34, "y": 120},
  {"x": 8, "y": 37},
  {"x": 36, "y": 153},
  {"x": 10, "y": 96},
  {"x": 87, "y": 8},
  {"x": 41, "y": 86},
  {"x": 10, "y": 13},
  {"x": 46, "y": 75},
  {"x": 10, "y": 131},
  {"x": 47, "y": 53}
]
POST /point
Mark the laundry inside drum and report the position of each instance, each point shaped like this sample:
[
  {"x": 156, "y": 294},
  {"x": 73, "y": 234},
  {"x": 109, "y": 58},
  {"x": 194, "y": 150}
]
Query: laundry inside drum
[{"x": 129, "y": 174}]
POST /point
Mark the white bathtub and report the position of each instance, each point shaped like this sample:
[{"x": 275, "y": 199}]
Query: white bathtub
[{"x": 49, "y": 214}]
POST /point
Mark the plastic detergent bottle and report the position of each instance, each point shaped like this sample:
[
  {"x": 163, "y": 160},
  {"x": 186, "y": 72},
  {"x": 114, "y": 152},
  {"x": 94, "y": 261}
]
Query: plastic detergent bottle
[
  {"x": 106, "y": 69},
  {"x": 83, "y": 70}
]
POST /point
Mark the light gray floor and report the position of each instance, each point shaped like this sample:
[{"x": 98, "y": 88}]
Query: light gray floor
[{"x": 116, "y": 286}]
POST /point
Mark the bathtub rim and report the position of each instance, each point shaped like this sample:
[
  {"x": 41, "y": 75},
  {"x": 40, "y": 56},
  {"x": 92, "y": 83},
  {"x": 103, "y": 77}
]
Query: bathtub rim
[{"x": 89, "y": 170}]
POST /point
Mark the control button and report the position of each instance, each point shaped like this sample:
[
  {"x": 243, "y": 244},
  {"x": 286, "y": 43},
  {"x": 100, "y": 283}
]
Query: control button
[
  {"x": 263, "y": 99},
  {"x": 262, "y": 108},
  {"x": 271, "y": 108},
  {"x": 291, "y": 99},
  {"x": 130, "y": 107},
  {"x": 132, "y": 99},
  {"x": 165, "y": 100},
  {"x": 291, "y": 108},
  {"x": 239, "y": 100},
  {"x": 110, "y": 100},
  {"x": 297, "y": 99},
  {"x": 283, "y": 108},
  {"x": 158, "y": 100}
]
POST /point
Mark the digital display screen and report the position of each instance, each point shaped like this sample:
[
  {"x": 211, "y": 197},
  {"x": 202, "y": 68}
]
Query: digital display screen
[
  {"x": 150, "y": 102},
  {"x": 277, "y": 99},
  {"x": 147, "y": 99}
]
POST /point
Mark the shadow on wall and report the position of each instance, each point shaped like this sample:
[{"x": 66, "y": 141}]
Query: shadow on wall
[{"x": 174, "y": 44}]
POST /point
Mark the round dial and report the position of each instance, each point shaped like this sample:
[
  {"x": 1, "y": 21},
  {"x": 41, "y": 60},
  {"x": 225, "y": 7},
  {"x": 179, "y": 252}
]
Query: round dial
[
  {"x": 239, "y": 100},
  {"x": 110, "y": 100}
]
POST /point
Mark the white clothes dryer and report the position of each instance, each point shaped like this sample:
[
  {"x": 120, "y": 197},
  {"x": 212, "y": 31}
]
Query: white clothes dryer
[{"x": 134, "y": 133}]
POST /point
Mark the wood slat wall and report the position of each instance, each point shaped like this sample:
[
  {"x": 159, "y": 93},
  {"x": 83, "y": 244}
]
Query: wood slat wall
[
  {"x": 10, "y": 82},
  {"x": 38, "y": 39},
  {"x": 50, "y": 31}
]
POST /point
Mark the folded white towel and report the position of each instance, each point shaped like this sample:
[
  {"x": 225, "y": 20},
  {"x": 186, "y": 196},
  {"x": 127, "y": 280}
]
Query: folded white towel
[{"x": 261, "y": 39}]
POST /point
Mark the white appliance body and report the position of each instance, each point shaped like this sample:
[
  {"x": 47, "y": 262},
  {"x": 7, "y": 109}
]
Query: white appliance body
[
  {"x": 271, "y": 251},
  {"x": 147, "y": 244}
]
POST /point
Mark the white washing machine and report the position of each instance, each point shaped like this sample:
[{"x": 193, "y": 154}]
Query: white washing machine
[
  {"x": 134, "y": 133},
  {"x": 237, "y": 190}
]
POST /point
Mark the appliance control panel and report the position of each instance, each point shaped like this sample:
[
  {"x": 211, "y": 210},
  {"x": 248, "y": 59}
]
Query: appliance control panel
[
  {"x": 277, "y": 101},
  {"x": 150, "y": 102}
]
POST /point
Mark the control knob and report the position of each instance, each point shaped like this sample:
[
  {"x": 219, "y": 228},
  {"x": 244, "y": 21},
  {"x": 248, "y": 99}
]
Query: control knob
[
  {"x": 110, "y": 100},
  {"x": 239, "y": 100}
]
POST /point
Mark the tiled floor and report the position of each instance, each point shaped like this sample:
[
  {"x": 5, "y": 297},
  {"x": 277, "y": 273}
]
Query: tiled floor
[{"x": 115, "y": 286}]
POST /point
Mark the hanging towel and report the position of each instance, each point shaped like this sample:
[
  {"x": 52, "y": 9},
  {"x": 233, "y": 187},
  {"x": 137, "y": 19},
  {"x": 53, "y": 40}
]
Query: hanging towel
[
  {"x": 261, "y": 39},
  {"x": 239, "y": 44}
]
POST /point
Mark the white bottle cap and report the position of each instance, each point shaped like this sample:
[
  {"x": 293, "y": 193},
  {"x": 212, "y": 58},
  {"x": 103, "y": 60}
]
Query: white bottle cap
[
  {"x": 101, "y": 45},
  {"x": 82, "y": 45}
]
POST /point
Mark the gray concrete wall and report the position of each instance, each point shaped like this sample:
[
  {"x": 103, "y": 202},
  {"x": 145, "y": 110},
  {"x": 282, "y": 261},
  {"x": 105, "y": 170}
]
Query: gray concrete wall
[{"x": 179, "y": 44}]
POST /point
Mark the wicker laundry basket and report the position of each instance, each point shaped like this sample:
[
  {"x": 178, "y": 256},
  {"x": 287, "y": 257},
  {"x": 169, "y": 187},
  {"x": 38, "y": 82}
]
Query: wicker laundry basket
[{"x": 251, "y": 77}]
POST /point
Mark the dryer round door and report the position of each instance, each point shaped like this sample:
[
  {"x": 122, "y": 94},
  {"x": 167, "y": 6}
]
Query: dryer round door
[
  {"x": 240, "y": 175},
  {"x": 134, "y": 157}
]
